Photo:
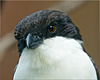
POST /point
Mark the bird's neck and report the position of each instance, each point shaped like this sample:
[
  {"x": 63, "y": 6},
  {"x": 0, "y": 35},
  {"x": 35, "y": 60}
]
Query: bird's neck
[{"x": 53, "y": 50}]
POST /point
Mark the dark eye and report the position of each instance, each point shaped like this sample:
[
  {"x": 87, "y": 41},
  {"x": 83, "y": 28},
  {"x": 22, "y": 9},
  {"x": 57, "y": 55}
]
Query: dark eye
[{"x": 52, "y": 28}]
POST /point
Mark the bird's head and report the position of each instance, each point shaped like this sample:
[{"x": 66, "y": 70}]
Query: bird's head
[{"x": 32, "y": 30}]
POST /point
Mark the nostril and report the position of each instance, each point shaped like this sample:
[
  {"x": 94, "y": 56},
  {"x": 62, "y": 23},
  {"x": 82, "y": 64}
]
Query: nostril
[{"x": 37, "y": 37}]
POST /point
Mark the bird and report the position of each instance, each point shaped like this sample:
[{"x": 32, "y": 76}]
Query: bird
[{"x": 50, "y": 46}]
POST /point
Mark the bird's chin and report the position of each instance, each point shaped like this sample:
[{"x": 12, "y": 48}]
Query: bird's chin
[
  {"x": 49, "y": 52},
  {"x": 34, "y": 45}
]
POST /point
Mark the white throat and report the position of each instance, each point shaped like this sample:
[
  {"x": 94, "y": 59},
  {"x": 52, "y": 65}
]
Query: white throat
[
  {"x": 51, "y": 51},
  {"x": 56, "y": 58}
]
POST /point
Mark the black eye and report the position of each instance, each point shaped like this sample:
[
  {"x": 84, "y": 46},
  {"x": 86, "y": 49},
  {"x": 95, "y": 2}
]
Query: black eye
[{"x": 52, "y": 28}]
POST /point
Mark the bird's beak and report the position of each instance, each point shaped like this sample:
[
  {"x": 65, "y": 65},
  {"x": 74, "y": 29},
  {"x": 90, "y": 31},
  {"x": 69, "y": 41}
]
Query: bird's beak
[{"x": 33, "y": 41}]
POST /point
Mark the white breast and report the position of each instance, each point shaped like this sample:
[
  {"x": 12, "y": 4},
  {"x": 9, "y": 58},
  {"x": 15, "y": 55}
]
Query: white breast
[{"x": 56, "y": 58}]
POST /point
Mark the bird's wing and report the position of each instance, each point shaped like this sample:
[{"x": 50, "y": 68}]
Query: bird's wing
[
  {"x": 15, "y": 68},
  {"x": 98, "y": 76}
]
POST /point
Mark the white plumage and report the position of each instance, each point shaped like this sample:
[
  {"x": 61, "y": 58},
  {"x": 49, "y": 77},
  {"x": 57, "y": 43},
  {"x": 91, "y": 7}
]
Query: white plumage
[{"x": 57, "y": 58}]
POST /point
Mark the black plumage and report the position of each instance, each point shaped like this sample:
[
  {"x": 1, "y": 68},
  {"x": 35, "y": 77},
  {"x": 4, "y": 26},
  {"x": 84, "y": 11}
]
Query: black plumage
[{"x": 37, "y": 23}]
